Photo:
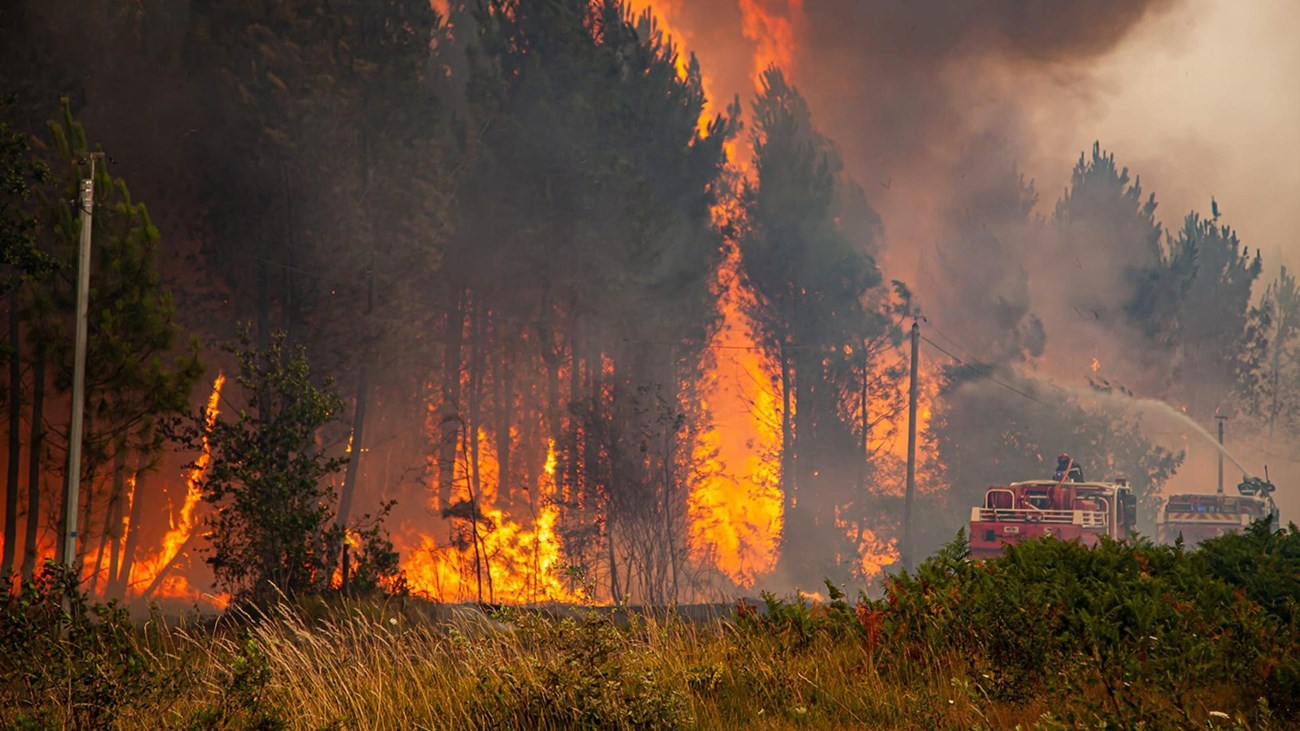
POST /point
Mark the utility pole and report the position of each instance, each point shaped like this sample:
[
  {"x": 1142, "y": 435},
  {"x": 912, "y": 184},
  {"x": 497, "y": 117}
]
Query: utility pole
[
  {"x": 73, "y": 477},
  {"x": 911, "y": 450},
  {"x": 1220, "y": 419}
]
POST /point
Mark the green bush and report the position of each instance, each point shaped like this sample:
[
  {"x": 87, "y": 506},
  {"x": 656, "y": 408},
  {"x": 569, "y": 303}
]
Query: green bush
[
  {"x": 1264, "y": 565},
  {"x": 1143, "y": 629},
  {"x": 1263, "y": 562},
  {"x": 65, "y": 661}
]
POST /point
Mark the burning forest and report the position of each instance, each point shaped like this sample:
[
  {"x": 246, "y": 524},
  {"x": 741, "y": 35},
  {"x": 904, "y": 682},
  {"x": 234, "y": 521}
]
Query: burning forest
[{"x": 528, "y": 302}]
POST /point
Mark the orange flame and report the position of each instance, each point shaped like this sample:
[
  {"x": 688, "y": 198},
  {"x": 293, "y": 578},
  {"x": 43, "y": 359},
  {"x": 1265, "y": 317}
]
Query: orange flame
[
  {"x": 178, "y": 536},
  {"x": 770, "y": 25},
  {"x": 516, "y": 564},
  {"x": 736, "y": 503}
]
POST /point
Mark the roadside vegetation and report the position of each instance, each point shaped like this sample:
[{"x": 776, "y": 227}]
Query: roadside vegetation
[{"x": 1051, "y": 636}]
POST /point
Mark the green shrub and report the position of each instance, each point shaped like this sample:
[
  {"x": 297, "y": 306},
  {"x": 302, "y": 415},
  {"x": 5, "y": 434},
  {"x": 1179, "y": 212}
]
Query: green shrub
[
  {"x": 66, "y": 661},
  {"x": 1265, "y": 563},
  {"x": 1142, "y": 628},
  {"x": 797, "y": 622}
]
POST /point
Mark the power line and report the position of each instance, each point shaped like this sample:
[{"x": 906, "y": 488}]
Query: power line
[{"x": 985, "y": 370}]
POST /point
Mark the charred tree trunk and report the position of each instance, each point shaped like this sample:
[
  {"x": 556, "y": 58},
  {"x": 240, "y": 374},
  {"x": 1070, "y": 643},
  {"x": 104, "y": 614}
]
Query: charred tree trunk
[
  {"x": 788, "y": 487},
  {"x": 551, "y": 355},
  {"x": 15, "y": 440},
  {"x": 572, "y": 482},
  {"x": 449, "y": 412},
  {"x": 121, "y": 580},
  {"x": 476, "y": 363},
  {"x": 864, "y": 449},
  {"x": 292, "y": 300},
  {"x": 614, "y": 595},
  {"x": 354, "y": 457},
  {"x": 600, "y": 461},
  {"x": 359, "y": 415},
  {"x": 504, "y": 417},
  {"x": 112, "y": 518},
  {"x": 807, "y": 369},
  {"x": 263, "y": 305},
  {"x": 671, "y": 501},
  {"x": 34, "y": 448}
]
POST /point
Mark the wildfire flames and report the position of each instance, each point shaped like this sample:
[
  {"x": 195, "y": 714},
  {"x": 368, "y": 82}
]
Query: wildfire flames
[
  {"x": 770, "y": 24},
  {"x": 494, "y": 557},
  {"x": 155, "y": 575},
  {"x": 736, "y": 503},
  {"x": 503, "y": 545}
]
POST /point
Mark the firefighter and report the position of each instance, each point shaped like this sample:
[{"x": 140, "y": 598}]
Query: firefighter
[{"x": 1067, "y": 469}]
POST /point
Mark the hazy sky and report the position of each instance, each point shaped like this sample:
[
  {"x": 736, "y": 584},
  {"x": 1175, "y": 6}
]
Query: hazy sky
[{"x": 1203, "y": 101}]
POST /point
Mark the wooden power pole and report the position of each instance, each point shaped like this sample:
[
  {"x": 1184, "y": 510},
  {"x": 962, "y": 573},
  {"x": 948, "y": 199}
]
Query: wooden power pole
[
  {"x": 911, "y": 450},
  {"x": 73, "y": 477}
]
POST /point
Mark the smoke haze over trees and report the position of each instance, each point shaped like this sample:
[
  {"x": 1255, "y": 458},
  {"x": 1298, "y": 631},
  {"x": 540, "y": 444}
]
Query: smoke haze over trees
[{"x": 514, "y": 236}]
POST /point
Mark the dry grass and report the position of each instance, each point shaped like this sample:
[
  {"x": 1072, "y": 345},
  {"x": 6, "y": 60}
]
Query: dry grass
[
  {"x": 408, "y": 665},
  {"x": 389, "y": 666}
]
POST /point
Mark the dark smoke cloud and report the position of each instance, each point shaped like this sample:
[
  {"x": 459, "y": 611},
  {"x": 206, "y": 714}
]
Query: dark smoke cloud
[{"x": 904, "y": 87}]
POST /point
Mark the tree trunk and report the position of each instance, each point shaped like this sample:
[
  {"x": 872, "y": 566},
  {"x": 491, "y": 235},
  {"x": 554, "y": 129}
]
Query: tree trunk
[
  {"x": 354, "y": 458},
  {"x": 504, "y": 416},
  {"x": 573, "y": 484},
  {"x": 359, "y": 415},
  {"x": 112, "y": 518},
  {"x": 449, "y": 412},
  {"x": 807, "y": 369},
  {"x": 121, "y": 580},
  {"x": 34, "y": 445},
  {"x": 613, "y": 565},
  {"x": 15, "y": 441},
  {"x": 670, "y": 481},
  {"x": 865, "y": 426},
  {"x": 292, "y": 303},
  {"x": 262, "y": 305},
  {"x": 787, "y": 434},
  {"x": 1275, "y": 371},
  {"x": 551, "y": 356},
  {"x": 476, "y": 363}
]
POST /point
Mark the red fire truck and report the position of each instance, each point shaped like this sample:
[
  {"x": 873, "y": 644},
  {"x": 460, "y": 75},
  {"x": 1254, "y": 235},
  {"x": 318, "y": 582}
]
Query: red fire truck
[
  {"x": 1201, "y": 517},
  {"x": 1069, "y": 511}
]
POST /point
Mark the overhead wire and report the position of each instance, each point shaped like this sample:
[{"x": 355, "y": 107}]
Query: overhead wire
[{"x": 982, "y": 369}]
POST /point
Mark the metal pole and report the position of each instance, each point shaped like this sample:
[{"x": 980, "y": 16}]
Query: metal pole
[
  {"x": 1221, "y": 419},
  {"x": 73, "y": 477},
  {"x": 911, "y": 451}
]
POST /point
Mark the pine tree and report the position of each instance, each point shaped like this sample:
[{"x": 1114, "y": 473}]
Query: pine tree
[
  {"x": 1222, "y": 336},
  {"x": 1277, "y": 400},
  {"x": 810, "y": 281},
  {"x": 1114, "y": 272},
  {"x": 21, "y": 173},
  {"x": 139, "y": 369}
]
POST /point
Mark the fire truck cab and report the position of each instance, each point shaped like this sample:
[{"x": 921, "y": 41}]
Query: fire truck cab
[
  {"x": 1201, "y": 517},
  {"x": 1068, "y": 511}
]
